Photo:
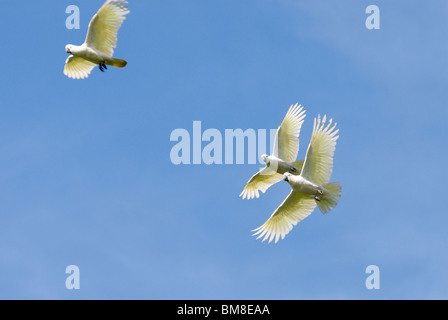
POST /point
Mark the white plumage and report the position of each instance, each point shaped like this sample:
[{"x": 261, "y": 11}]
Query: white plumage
[
  {"x": 98, "y": 48},
  {"x": 310, "y": 188},
  {"x": 285, "y": 150}
]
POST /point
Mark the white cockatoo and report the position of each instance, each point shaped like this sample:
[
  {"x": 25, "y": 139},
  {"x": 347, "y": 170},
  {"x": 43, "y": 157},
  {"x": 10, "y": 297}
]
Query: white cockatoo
[
  {"x": 98, "y": 48},
  {"x": 310, "y": 188},
  {"x": 284, "y": 154}
]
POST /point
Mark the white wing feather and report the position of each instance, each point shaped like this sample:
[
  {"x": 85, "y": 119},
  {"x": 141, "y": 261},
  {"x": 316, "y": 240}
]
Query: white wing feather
[
  {"x": 318, "y": 164},
  {"x": 77, "y": 68},
  {"x": 294, "y": 209},
  {"x": 286, "y": 143},
  {"x": 260, "y": 181},
  {"x": 103, "y": 27}
]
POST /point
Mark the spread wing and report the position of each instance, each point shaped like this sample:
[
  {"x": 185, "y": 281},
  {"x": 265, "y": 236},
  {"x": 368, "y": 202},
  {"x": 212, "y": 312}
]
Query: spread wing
[
  {"x": 286, "y": 143},
  {"x": 318, "y": 164},
  {"x": 294, "y": 209},
  {"x": 77, "y": 68},
  {"x": 103, "y": 27},
  {"x": 260, "y": 181}
]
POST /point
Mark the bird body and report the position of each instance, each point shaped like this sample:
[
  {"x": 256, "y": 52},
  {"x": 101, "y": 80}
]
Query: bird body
[
  {"x": 282, "y": 159},
  {"x": 310, "y": 188},
  {"x": 281, "y": 166},
  {"x": 303, "y": 186},
  {"x": 94, "y": 55},
  {"x": 326, "y": 196},
  {"x": 101, "y": 38},
  {"x": 88, "y": 53}
]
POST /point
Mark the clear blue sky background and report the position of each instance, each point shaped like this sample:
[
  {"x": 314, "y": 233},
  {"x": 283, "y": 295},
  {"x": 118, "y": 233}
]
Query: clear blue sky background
[{"x": 86, "y": 178}]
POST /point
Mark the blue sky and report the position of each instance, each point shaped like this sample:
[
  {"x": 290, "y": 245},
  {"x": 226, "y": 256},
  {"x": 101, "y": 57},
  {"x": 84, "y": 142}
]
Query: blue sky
[{"x": 85, "y": 171}]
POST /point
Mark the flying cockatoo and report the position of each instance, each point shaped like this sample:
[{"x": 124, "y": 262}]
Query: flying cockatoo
[
  {"x": 310, "y": 188},
  {"x": 283, "y": 158},
  {"x": 101, "y": 38}
]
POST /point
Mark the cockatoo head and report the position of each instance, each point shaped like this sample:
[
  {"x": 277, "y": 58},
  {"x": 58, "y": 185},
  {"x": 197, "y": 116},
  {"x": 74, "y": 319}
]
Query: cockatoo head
[
  {"x": 68, "y": 48},
  {"x": 286, "y": 176},
  {"x": 265, "y": 158}
]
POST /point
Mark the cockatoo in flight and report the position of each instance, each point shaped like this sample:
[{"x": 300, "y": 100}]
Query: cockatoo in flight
[
  {"x": 283, "y": 158},
  {"x": 101, "y": 38},
  {"x": 310, "y": 188}
]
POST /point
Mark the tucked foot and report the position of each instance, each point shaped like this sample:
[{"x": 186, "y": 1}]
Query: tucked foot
[
  {"x": 102, "y": 67},
  {"x": 317, "y": 198}
]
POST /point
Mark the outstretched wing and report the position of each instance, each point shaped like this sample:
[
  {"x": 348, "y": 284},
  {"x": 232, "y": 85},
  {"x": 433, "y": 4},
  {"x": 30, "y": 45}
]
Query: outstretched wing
[
  {"x": 103, "y": 27},
  {"x": 294, "y": 209},
  {"x": 286, "y": 143},
  {"x": 318, "y": 164},
  {"x": 77, "y": 68},
  {"x": 260, "y": 181}
]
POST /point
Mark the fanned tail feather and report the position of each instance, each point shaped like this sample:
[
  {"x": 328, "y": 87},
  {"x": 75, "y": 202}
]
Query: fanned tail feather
[{"x": 330, "y": 198}]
